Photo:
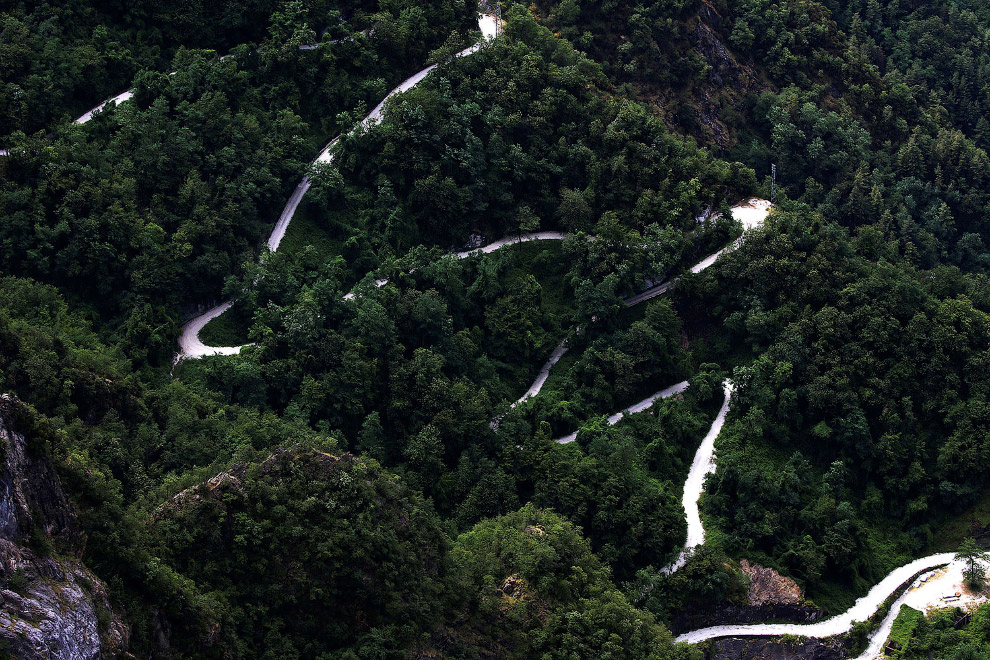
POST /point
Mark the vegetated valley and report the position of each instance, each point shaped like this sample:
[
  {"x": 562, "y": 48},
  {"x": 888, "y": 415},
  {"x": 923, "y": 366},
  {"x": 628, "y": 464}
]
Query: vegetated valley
[{"x": 381, "y": 329}]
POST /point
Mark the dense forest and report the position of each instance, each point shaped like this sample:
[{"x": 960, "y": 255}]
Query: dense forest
[
  {"x": 948, "y": 633},
  {"x": 362, "y": 480}
]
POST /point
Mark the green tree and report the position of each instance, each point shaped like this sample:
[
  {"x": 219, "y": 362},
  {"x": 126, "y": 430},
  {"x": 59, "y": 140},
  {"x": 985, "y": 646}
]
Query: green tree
[{"x": 974, "y": 557}]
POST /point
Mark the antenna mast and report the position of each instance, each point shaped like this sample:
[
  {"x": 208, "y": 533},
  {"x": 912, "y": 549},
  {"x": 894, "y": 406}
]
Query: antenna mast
[
  {"x": 773, "y": 184},
  {"x": 498, "y": 18}
]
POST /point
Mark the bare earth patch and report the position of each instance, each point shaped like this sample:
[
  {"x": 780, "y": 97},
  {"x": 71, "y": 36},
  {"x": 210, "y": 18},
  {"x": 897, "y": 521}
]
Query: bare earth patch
[{"x": 768, "y": 587}]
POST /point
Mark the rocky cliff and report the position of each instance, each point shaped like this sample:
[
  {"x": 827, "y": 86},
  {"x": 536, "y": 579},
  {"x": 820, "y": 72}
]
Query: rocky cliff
[
  {"x": 765, "y": 648},
  {"x": 51, "y": 606}
]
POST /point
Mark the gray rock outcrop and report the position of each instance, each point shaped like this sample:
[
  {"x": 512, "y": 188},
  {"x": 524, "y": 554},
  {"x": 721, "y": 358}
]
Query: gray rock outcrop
[{"x": 51, "y": 606}]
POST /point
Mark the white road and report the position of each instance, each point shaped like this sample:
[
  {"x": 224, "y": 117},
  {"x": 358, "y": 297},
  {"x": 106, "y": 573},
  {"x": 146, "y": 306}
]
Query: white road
[
  {"x": 932, "y": 590},
  {"x": 926, "y": 592},
  {"x": 116, "y": 100},
  {"x": 487, "y": 25},
  {"x": 919, "y": 596},
  {"x": 702, "y": 465},
  {"x": 282, "y": 225},
  {"x": 189, "y": 344},
  {"x": 541, "y": 377},
  {"x": 635, "y": 408},
  {"x": 513, "y": 240},
  {"x": 751, "y": 214},
  {"x": 491, "y": 247}
]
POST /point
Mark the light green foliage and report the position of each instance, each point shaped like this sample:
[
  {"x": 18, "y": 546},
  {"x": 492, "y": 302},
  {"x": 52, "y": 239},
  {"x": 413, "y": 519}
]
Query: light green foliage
[
  {"x": 947, "y": 633},
  {"x": 542, "y": 593},
  {"x": 904, "y": 625}
]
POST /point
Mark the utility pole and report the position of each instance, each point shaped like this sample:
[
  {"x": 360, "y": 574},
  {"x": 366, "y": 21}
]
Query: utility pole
[
  {"x": 498, "y": 18},
  {"x": 773, "y": 184}
]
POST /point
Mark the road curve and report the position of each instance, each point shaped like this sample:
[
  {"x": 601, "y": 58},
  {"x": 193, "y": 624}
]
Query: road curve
[
  {"x": 702, "y": 465},
  {"x": 922, "y": 593},
  {"x": 836, "y": 625},
  {"x": 930, "y": 590},
  {"x": 189, "y": 344},
  {"x": 933, "y": 587},
  {"x": 751, "y": 214}
]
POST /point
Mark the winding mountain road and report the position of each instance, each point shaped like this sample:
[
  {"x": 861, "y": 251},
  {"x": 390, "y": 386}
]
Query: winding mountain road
[
  {"x": 928, "y": 590},
  {"x": 751, "y": 214},
  {"x": 189, "y": 344},
  {"x": 920, "y": 594}
]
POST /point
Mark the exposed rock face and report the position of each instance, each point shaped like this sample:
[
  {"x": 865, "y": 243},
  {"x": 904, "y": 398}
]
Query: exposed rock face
[
  {"x": 30, "y": 494},
  {"x": 768, "y": 587},
  {"x": 732, "y": 614},
  {"x": 771, "y": 597},
  {"x": 729, "y": 81},
  {"x": 51, "y": 606},
  {"x": 763, "y": 648}
]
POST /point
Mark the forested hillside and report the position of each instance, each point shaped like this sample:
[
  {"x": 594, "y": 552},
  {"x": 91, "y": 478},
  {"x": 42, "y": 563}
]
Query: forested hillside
[
  {"x": 146, "y": 209},
  {"x": 60, "y": 59},
  {"x": 411, "y": 452}
]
